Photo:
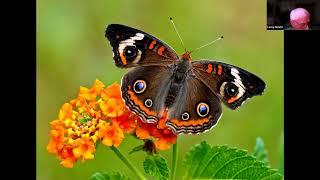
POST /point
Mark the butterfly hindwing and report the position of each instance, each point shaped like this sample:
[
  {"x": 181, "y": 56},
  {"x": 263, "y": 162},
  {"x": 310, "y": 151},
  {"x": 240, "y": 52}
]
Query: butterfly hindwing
[
  {"x": 143, "y": 90},
  {"x": 196, "y": 108},
  {"x": 132, "y": 47},
  {"x": 232, "y": 84}
]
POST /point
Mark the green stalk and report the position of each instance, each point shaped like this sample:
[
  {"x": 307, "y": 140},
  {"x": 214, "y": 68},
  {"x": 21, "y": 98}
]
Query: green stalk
[
  {"x": 174, "y": 159},
  {"x": 128, "y": 163}
]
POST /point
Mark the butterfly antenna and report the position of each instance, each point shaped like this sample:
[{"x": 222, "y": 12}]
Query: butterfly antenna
[
  {"x": 175, "y": 29},
  {"x": 208, "y": 44}
]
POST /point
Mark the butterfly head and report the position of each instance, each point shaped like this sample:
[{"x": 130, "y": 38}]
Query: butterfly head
[{"x": 186, "y": 56}]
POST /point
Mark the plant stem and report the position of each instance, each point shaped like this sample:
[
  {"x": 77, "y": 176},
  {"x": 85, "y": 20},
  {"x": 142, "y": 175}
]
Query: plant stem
[
  {"x": 174, "y": 159},
  {"x": 128, "y": 163}
]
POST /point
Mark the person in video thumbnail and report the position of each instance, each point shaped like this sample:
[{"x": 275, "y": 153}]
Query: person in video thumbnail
[{"x": 299, "y": 19}]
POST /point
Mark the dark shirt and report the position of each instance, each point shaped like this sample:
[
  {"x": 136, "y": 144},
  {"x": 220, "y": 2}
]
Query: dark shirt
[{"x": 290, "y": 28}]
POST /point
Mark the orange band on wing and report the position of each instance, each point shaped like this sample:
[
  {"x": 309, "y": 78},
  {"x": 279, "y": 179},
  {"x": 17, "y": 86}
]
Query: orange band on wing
[
  {"x": 209, "y": 70},
  {"x": 139, "y": 103},
  {"x": 219, "y": 70},
  {"x": 151, "y": 46},
  {"x": 123, "y": 59},
  {"x": 190, "y": 122},
  {"x": 160, "y": 50},
  {"x": 233, "y": 99}
]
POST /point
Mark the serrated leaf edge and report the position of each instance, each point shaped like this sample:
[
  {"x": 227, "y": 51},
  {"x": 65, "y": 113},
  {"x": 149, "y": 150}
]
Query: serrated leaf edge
[
  {"x": 261, "y": 163},
  {"x": 195, "y": 172},
  {"x": 109, "y": 173},
  {"x": 214, "y": 156},
  {"x": 227, "y": 149},
  {"x": 162, "y": 158}
]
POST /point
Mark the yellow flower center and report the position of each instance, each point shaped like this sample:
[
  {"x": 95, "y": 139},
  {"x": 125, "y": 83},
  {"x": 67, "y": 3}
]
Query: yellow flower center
[{"x": 81, "y": 125}]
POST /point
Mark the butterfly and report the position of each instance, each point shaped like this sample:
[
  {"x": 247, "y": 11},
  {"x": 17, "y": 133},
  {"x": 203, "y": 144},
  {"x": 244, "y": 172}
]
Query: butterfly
[{"x": 188, "y": 94}]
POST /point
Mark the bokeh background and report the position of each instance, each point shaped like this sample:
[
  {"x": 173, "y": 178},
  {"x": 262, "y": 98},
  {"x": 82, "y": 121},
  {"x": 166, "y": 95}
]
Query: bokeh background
[{"x": 72, "y": 51}]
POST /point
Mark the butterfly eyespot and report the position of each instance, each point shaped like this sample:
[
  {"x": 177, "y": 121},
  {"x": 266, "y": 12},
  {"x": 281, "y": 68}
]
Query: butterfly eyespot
[
  {"x": 203, "y": 109},
  {"x": 139, "y": 86},
  {"x": 148, "y": 102},
  {"x": 231, "y": 89},
  {"x": 130, "y": 52},
  {"x": 185, "y": 116}
]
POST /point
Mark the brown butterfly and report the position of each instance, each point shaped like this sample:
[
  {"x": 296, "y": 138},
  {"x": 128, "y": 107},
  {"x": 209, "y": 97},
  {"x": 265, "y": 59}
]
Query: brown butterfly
[{"x": 162, "y": 84}]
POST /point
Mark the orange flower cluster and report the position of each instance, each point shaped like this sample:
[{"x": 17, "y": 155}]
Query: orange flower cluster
[
  {"x": 98, "y": 114},
  {"x": 163, "y": 137}
]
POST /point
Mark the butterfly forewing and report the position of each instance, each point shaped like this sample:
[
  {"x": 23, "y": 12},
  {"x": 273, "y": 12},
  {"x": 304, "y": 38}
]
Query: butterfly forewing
[
  {"x": 132, "y": 47},
  {"x": 231, "y": 84}
]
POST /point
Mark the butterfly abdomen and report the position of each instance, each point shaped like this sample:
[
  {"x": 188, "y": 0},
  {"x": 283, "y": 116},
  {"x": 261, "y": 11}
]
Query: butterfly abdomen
[
  {"x": 172, "y": 94},
  {"x": 178, "y": 77}
]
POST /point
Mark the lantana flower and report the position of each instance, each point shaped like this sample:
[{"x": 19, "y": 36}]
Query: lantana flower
[{"x": 99, "y": 114}]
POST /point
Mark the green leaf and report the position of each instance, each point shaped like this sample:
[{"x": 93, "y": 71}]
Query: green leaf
[
  {"x": 136, "y": 149},
  {"x": 204, "y": 161},
  {"x": 156, "y": 166},
  {"x": 281, "y": 154},
  {"x": 259, "y": 151},
  {"x": 108, "y": 176}
]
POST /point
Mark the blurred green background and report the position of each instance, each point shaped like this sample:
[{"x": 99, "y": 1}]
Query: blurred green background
[{"x": 72, "y": 51}]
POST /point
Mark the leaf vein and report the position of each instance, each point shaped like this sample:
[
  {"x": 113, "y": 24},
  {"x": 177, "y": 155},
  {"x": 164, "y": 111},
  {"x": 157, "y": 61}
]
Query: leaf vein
[
  {"x": 225, "y": 164},
  {"x": 243, "y": 170},
  {"x": 211, "y": 160}
]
